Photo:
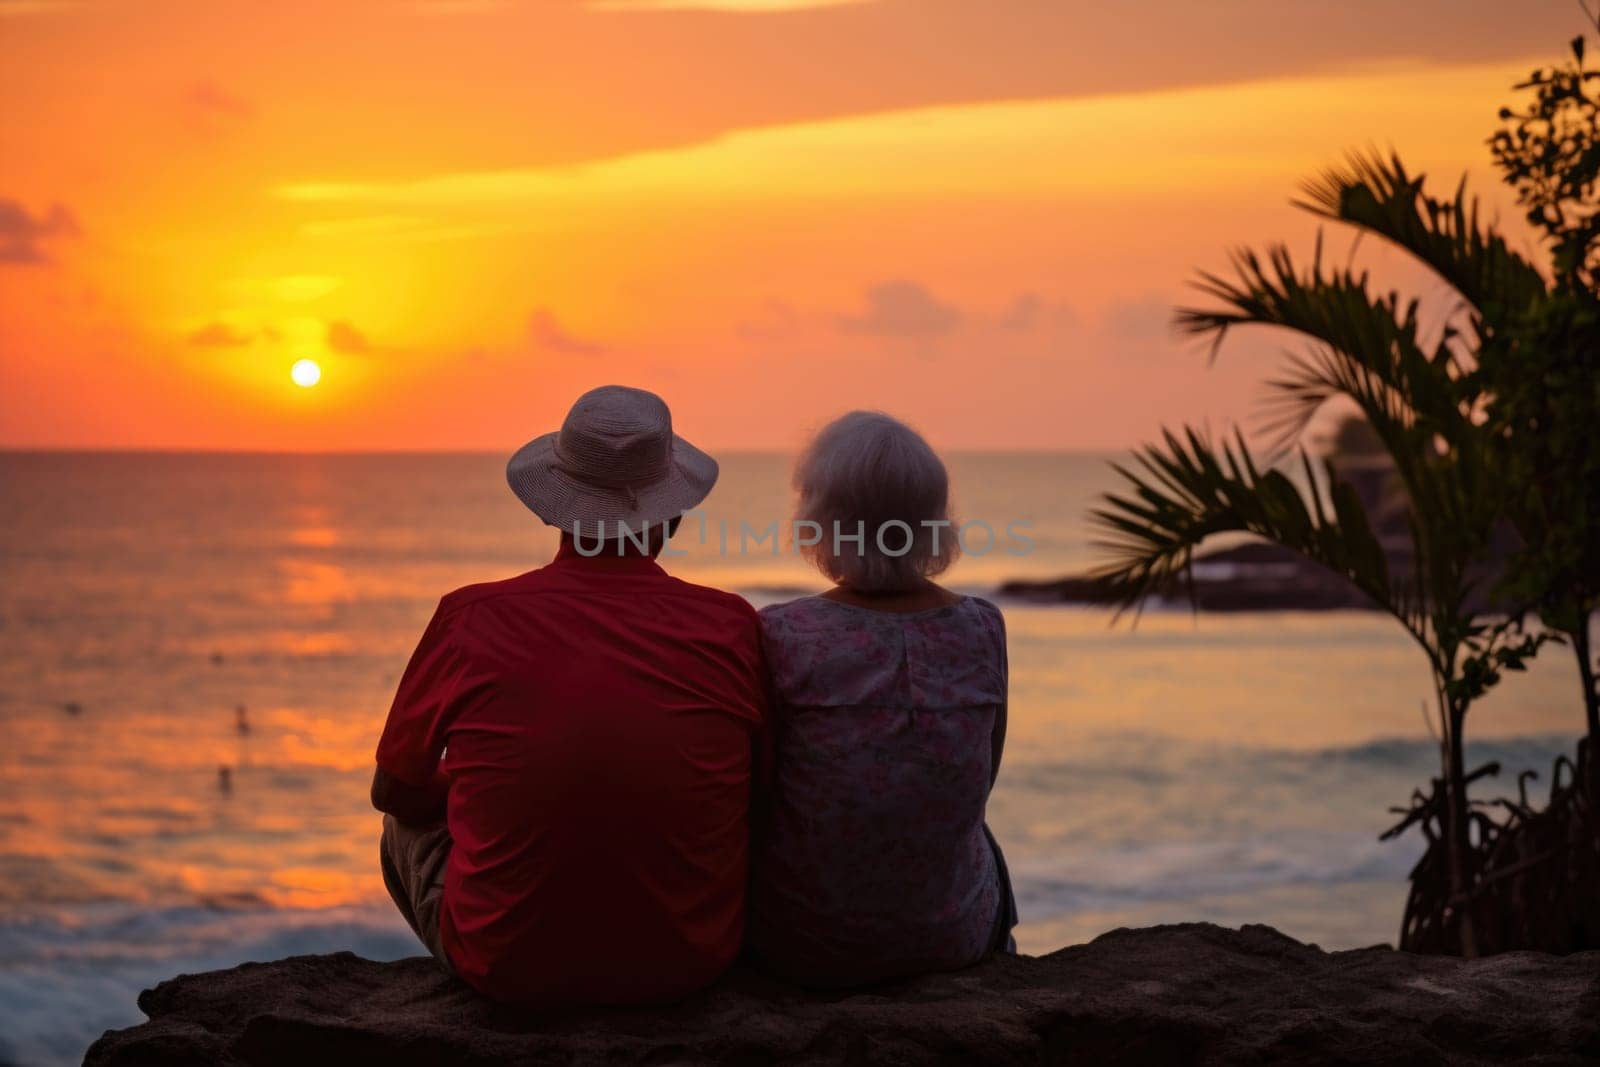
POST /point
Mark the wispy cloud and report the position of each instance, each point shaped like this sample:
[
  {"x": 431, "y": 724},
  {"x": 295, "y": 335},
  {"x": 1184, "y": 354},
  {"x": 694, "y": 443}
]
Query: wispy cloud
[
  {"x": 363, "y": 226},
  {"x": 220, "y": 335},
  {"x": 401, "y": 229},
  {"x": 1143, "y": 318},
  {"x": 346, "y": 340},
  {"x": 212, "y": 110},
  {"x": 903, "y": 309},
  {"x": 23, "y": 235},
  {"x": 1023, "y": 314},
  {"x": 549, "y": 334},
  {"x": 1030, "y": 311},
  {"x": 1030, "y": 149}
]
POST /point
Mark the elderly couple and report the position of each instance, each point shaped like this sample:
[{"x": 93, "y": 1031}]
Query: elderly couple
[{"x": 602, "y": 784}]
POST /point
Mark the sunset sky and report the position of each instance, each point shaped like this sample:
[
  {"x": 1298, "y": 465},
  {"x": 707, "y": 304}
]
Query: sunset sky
[{"x": 976, "y": 214}]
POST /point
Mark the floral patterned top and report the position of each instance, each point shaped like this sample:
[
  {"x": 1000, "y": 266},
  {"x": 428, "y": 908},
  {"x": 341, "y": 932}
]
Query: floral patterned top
[{"x": 874, "y": 860}]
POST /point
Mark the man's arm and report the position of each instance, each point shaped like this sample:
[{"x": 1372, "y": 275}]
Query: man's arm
[
  {"x": 408, "y": 782},
  {"x": 763, "y": 764},
  {"x": 418, "y": 805}
]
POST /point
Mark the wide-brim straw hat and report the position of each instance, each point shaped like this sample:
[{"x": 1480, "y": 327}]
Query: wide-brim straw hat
[{"x": 614, "y": 461}]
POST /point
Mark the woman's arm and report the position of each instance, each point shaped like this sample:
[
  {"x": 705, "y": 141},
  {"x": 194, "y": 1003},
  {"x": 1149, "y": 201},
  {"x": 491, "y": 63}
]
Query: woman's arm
[
  {"x": 997, "y": 743},
  {"x": 997, "y": 738}
]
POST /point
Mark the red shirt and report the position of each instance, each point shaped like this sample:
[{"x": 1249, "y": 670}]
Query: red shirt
[{"x": 596, "y": 719}]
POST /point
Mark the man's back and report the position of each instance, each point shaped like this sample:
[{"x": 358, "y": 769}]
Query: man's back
[{"x": 596, "y": 718}]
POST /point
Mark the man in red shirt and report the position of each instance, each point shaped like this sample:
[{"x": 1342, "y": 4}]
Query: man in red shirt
[{"x": 586, "y": 732}]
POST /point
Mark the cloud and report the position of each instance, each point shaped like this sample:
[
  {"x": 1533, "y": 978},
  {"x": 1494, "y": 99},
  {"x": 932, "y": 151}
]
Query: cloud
[
  {"x": 24, "y": 235},
  {"x": 219, "y": 335},
  {"x": 212, "y": 110},
  {"x": 362, "y": 226},
  {"x": 903, "y": 309},
  {"x": 346, "y": 340},
  {"x": 1143, "y": 318},
  {"x": 695, "y": 78},
  {"x": 1023, "y": 314},
  {"x": 548, "y": 333},
  {"x": 1140, "y": 327},
  {"x": 1030, "y": 311}
]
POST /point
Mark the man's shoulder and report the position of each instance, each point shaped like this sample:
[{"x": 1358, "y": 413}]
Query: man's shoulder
[
  {"x": 720, "y": 598},
  {"x": 455, "y": 601},
  {"x": 545, "y": 580}
]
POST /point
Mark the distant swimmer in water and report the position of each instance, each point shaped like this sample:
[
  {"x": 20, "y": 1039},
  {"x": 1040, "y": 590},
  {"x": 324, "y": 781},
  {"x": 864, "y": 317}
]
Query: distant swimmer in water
[
  {"x": 241, "y": 719},
  {"x": 225, "y": 778}
]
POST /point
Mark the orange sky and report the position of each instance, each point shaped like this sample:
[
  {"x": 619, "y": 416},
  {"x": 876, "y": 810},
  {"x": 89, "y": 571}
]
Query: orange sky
[{"x": 973, "y": 213}]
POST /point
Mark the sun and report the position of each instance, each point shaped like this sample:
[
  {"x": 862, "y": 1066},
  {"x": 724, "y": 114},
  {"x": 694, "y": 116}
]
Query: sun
[{"x": 305, "y": 373}]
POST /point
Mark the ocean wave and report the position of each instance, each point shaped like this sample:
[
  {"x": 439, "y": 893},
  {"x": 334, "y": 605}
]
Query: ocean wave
[
  {"x": 69, "y": 975},
  {"x": 1105, "y": 878},
  {"x": 1142, "y": 820},
  {"x": 1110, "y": 754}
]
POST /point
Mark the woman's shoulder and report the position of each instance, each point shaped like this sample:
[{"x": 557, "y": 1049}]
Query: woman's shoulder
[
  {"x": 819, "y": 612},
  {"x": 985, "y": 608},
  {"x": 805, "y": 621},
  {"x": 824, "y": 652},
  {"x": 991, "y": 617},
  {"x": 802, "y": 611},
  {"x": 820, "y": 653}
]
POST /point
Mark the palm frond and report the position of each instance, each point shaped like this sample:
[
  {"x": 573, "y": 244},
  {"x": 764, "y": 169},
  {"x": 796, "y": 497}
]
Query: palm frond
[
  {"x": 1367, "y": 346},
  {"x": 1378, "y": 195},
  {"x": 1184, "y": 491}
]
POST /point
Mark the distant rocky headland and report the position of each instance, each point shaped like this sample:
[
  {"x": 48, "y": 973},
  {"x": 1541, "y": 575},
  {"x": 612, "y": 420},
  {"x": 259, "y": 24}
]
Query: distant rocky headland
[
  {"x": 1251, "y": 577},
  {"x": 1194, "y": 993}
]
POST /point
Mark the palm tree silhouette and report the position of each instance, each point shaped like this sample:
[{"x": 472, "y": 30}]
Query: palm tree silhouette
[{"x": 1430, "y": 406}]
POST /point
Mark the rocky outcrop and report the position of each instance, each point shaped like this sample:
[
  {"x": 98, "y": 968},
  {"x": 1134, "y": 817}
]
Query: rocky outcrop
[
  {"x": 1173, "y": 994},
  {"x": 1250, "y": 577}
]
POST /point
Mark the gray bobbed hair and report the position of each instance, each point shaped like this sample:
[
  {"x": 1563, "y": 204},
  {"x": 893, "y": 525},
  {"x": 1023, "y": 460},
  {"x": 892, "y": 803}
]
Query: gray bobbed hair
[{"x": 869, "y": 468}]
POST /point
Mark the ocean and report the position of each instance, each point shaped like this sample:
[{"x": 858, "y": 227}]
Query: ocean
[{"x": 1231, "y": 768}]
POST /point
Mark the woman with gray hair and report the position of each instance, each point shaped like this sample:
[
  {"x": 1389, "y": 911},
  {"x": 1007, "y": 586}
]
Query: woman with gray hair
[{"x": 889, "y": 709}]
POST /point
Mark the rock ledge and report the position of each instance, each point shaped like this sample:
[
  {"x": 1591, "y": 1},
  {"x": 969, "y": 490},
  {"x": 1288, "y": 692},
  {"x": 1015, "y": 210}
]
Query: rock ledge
[{"x": 1168, "y": 994}]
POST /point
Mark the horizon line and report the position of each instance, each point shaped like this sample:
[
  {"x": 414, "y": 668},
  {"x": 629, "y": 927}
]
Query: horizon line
[{"x": 139, "y": 450}]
